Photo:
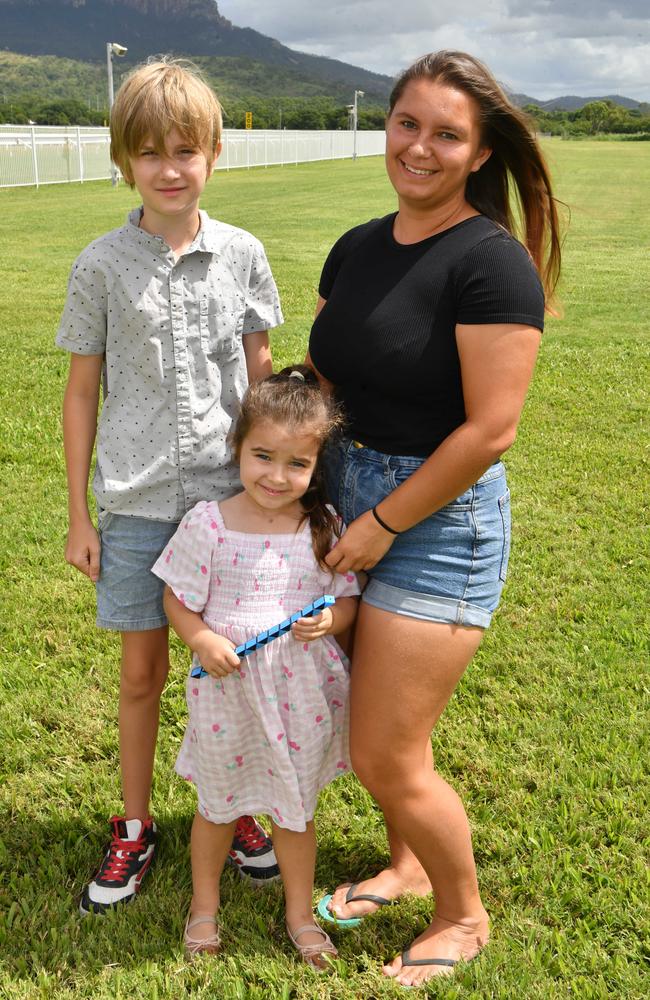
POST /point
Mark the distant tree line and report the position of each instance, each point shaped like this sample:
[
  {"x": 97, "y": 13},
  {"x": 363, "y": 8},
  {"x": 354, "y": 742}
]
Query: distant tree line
[
  {"x": 595, "y": 118},
  {"x": 269, "y": 113}
]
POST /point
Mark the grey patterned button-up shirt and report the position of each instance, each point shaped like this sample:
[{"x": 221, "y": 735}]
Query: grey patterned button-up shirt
[{"x": 174, "y": 368}]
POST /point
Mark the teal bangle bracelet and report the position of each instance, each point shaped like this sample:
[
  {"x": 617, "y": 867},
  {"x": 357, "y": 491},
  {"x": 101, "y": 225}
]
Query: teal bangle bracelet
[{"x": 383, "y": 523}]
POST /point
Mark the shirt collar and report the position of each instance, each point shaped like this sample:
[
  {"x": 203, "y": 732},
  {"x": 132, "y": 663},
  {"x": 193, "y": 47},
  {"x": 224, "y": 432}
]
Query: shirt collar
[{"x": 205, "y": 241}]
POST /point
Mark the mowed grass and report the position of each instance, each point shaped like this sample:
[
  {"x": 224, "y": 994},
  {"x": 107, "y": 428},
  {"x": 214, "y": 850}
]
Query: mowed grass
[{"x": 546, "y": 737}]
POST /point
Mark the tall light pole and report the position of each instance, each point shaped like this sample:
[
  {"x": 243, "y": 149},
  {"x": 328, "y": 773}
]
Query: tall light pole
[
  {"x": 113, "y": 49},
  {"x": 355, "y": 116}
]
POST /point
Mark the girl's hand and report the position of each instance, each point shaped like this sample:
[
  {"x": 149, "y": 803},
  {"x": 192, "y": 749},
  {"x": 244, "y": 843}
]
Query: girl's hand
[
  {"x": 216, "y": 654},
  {"x": 364, "y": 543},
  {"x": 308, "y": 629},
  {"x": 82, "y": 549}
]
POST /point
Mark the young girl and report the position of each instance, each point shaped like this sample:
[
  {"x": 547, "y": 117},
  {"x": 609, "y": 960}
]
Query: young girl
[{"x": 267, "y": 732}]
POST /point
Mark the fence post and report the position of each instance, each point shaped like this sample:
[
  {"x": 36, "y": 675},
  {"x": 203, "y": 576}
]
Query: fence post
[
  {"x": 34, "y": 157},
  {"x": 227, "y": 144},
  {"x": 81, "y": 158},
  {"x": 248, "y": 149},
  {"x": 266, "y": 154},
  {"x": 281, "y": 148}
]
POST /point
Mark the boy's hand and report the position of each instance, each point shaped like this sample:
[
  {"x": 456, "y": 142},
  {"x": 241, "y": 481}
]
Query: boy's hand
[
  {"x": 308, "y": 629},
  {"x": 217, "y": 654},
  {"x": 82, "y": 549}
]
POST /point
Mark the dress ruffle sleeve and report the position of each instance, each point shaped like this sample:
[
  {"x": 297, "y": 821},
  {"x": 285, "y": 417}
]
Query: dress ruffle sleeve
[{"x": 186, "y": 562}]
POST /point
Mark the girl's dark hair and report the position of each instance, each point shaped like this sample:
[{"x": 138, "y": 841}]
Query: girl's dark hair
[
  {"x": 516, "y": 156},
  {"x": 293, "y": 398}
]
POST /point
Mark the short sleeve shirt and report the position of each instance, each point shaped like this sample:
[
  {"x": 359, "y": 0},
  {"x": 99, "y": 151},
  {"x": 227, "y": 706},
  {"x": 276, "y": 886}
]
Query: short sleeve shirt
[
  {"x": 386, "y": 337},
  {"x": 171, "y": 332}
]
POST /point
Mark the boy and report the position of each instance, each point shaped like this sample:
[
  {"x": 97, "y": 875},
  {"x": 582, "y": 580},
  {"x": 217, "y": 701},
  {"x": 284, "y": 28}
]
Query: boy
[{"x": 171, "y": 313}]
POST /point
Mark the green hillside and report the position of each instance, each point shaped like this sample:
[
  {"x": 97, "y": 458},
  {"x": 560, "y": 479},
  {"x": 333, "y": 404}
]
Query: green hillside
[{"x": 33, "y": 87}]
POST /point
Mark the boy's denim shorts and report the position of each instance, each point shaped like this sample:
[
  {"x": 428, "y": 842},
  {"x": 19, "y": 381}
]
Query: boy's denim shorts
[
  {"x": 129, "y": 596},
  {"x": 451, "y": 567}
]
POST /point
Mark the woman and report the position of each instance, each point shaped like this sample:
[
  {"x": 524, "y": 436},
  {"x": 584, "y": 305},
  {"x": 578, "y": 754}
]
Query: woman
[{"x": 428, "y": 325}]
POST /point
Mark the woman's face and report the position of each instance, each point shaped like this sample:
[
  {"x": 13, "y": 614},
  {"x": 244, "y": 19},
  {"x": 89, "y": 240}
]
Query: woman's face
[{"x": 433, "y": 144}]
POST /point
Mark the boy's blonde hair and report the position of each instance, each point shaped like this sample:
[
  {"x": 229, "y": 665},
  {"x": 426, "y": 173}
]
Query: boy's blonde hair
[{"x": 157, "y": 97}]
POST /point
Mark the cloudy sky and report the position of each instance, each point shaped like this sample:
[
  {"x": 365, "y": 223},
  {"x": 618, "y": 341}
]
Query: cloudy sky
[{"x": 544, "y": 48}]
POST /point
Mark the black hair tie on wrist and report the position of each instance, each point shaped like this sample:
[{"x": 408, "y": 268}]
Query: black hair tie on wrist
[{"x": 383, "y": 523}]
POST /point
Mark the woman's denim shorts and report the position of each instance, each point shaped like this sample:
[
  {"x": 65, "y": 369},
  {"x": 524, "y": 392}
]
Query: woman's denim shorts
[
  {"x": 451, "y": 567},
  {"x": 129, "y": 595}
]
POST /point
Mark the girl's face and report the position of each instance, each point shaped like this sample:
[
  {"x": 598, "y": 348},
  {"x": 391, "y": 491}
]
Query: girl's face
[
  {"x": 276, "y": 464},
  {"x": 433, "y": 144}
]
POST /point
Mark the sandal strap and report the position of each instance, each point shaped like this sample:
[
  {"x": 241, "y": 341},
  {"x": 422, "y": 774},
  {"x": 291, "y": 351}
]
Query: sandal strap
[
  {"x": 310, "y": 950},
  {"x": 195, "y": 945},
  {"x": 206, "y": 918}
]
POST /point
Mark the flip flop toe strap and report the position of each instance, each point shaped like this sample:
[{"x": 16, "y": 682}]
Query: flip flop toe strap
[
  {"x": 407, "y": 960},
  {"x": 379, "y": 900}
]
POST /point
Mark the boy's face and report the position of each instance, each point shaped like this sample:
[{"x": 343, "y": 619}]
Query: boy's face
[{"x": 170, "y": 186}]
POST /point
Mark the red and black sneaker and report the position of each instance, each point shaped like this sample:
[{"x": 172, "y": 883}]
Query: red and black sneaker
[
  {"x": 125, "y": 864},
  {"x": 252, "y": 853}
]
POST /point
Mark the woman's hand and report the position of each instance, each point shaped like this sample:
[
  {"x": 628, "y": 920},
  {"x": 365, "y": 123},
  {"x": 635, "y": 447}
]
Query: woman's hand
[
  {"x": 364, "y": 543},
  {"x": 216, "y": 654}
]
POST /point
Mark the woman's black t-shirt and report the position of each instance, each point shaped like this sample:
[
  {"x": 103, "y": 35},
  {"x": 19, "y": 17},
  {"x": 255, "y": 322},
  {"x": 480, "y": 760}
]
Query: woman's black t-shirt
[{"x": 386, "y": 336}]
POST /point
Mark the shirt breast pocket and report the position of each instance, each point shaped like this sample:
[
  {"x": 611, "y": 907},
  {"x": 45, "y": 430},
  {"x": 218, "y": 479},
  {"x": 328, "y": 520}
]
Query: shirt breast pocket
[{"x": 220, "y": 327}]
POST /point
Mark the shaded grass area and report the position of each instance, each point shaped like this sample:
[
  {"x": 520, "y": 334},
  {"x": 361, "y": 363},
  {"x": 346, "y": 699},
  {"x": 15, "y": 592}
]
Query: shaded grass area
[{"x": 546, "y": 738}]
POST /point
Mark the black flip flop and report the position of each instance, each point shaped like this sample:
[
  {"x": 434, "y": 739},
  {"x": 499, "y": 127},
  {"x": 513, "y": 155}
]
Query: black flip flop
[
  {"x": 350, "y": 898},
  {"x": 407, "y": 960}
]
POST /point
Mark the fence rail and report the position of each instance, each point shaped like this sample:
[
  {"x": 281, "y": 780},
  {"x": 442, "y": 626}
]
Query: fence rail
[{"x": 49, "y": 154}]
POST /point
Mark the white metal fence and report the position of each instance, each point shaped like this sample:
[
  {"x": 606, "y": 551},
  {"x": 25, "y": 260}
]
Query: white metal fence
[{"x": 50, "y": 154}]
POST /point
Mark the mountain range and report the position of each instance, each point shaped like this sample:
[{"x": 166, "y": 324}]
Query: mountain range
[{"x": 79, "y": 30}]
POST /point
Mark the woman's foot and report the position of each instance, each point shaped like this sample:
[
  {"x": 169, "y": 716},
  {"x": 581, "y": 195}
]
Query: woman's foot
[
  {"x": 389, "y": 884},
  {"x": 442, "y": 940},
  {"x": 201, "y": 935}
]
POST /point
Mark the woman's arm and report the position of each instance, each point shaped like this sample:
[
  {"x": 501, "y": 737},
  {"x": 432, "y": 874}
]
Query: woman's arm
[
  {"x": 80, "y": 404},
  {"x": 326, "y": 386},
  {"x": 497, "y": 364},
  {"x": 257, "y": 351},
  {"x": 215, "y": 652}
]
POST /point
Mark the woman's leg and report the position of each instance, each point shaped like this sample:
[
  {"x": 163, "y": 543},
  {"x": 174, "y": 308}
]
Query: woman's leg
[
  {"x": 296, "y": 854},
  {"x": 405, "y": 670},
  {"x": 144, "y": 669}
]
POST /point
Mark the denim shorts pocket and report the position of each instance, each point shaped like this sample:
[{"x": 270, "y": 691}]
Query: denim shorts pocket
[
  {"x": 103, "y": 519},
  {"x": 504, "y": 510},
  {"x": 402, "y": 472}
]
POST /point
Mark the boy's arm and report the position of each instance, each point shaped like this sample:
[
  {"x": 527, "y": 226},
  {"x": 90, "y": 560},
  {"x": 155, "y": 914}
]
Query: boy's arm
[
  {"x": 257, "y": 351},
  {"x": 215, "y": 652},
  {"x": 80, "y": 404}
]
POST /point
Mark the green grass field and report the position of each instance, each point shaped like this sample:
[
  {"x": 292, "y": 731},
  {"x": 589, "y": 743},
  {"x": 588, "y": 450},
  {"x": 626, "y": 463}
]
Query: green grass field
[{"x": 546, "y": 737}]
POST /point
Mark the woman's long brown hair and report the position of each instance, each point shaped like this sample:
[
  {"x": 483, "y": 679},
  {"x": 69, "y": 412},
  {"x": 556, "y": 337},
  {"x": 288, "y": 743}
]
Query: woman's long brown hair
[{"x": 516, "y": 156}]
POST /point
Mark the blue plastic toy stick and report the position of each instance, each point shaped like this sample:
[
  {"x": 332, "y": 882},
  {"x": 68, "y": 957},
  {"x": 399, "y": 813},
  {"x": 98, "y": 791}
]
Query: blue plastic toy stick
[{"x": 262, "y": 638}]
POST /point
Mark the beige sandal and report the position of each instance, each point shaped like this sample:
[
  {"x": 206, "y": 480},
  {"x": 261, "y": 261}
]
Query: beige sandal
[
  {"x": 196, "y": 946},
  {"x": 312, "y": 954}
]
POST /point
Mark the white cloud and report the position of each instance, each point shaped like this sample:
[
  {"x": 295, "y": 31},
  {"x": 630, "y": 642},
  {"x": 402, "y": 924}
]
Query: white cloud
[{"x": 540, "y": 47}]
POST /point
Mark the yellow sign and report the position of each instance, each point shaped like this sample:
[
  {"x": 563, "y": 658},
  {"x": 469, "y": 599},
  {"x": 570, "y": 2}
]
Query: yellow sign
[{"x": 249, "y": 119}]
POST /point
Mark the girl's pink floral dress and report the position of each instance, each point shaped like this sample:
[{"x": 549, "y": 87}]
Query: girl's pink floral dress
[{"x": 269, "y": 736}]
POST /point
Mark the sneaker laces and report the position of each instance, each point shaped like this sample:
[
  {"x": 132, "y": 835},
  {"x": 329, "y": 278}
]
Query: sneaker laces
[
  {"x": 251, "y": 833},
  {"x": 120, "y": 853}
]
